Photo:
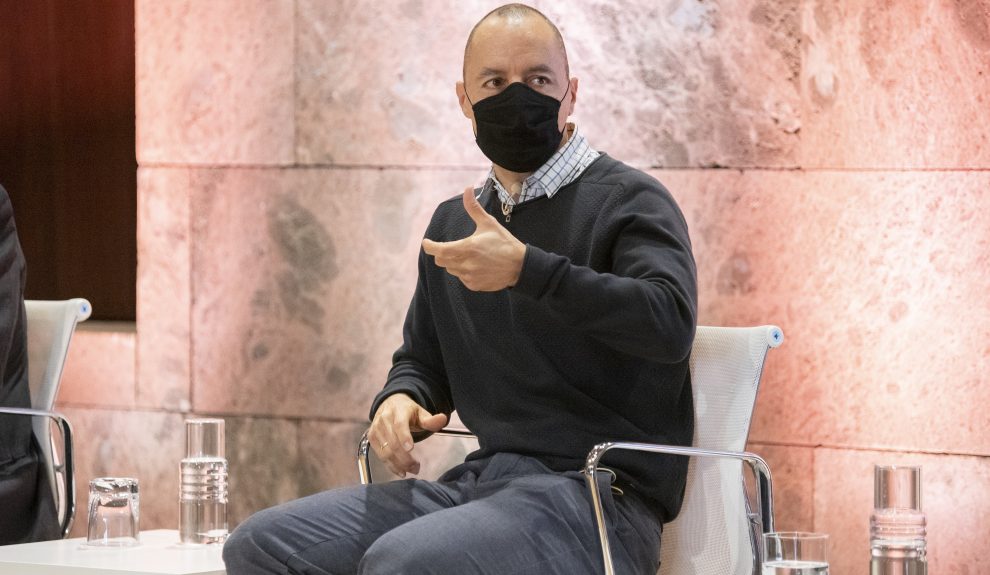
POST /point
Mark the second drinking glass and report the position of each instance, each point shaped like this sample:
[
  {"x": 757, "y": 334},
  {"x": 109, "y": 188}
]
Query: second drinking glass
[{"x": 795, "y": 553}]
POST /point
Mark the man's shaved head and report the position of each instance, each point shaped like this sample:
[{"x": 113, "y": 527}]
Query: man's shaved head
[
  {"x": 516, "y": 12},
  {"x": 516, "y": 44}
]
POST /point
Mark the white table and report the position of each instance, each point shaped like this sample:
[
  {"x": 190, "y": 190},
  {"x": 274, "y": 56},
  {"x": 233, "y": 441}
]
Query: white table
[{"x": 159, "y": 553}]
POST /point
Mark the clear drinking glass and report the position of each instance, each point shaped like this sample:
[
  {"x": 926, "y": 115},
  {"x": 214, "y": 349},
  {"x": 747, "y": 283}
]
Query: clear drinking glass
[
  {"x": 795, "y": 553},
  {"x": 114, "y": 512}
]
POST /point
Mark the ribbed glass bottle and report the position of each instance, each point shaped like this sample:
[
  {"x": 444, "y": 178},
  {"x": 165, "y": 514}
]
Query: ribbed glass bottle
[
  {"x": 203, "y": 484},
  {"x": 898, "y": 533}
]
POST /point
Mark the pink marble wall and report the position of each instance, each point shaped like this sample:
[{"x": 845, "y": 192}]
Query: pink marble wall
[{"x": 832, "y": 161}]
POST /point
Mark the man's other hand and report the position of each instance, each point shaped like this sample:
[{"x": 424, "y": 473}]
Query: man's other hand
[
  {"x": 490, "y": 259},
  {"x": 391, "y": 431}
]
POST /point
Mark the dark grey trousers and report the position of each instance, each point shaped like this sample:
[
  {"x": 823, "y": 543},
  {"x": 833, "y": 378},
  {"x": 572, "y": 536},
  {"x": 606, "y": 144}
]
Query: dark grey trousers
[{"x": 503, "y": 515}]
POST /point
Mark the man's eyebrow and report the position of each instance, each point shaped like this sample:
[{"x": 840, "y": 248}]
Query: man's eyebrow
[
  {"x": 485, "y": 72},
  {"x": 537, "y": 69},
  {"x": 540, "y": 68}
]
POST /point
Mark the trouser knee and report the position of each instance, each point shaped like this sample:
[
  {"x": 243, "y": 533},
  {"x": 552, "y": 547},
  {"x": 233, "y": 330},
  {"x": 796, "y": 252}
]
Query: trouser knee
[
  {"x": 390, "y": 555},
  {"x": 248, "y": 550}
]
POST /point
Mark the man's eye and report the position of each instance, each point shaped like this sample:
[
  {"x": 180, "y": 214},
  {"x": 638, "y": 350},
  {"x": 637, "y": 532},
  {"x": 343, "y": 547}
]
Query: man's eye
[
  {"x": 540, "y": 81},
  {"x": 494, "y": 83}
]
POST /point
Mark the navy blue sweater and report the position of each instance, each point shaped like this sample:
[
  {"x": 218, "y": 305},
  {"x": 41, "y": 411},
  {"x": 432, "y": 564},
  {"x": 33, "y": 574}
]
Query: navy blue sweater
[{"x": 591, "y": 344}]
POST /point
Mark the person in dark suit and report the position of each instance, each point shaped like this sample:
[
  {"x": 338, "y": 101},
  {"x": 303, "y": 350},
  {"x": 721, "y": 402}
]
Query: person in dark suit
[{"x": 28, "y": 512}]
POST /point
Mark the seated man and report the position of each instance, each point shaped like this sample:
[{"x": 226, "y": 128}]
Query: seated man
[
  {"x": 28, "y": 512},
  {"x": 555, "y": 309}
]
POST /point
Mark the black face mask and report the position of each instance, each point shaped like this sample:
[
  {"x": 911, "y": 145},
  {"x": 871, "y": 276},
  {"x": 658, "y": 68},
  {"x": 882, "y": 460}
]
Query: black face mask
[{"x": 517, "y": 128}]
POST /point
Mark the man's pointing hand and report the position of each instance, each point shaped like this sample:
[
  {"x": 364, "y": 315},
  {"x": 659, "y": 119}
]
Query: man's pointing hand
[{"x": 490, "y": 259}]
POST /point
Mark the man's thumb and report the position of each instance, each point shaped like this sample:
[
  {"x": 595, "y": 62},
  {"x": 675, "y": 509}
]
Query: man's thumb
[
  {"x": 431, "y": 422},
  {"x": 474, "y": 209}
]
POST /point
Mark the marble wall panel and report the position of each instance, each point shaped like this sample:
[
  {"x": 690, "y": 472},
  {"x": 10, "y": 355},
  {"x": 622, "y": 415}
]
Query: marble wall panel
[
  {"x": 671, "y": 83},
  {"x": 954, "y": 498},
  {"x": 327, "y": 455},
  {"x": 273, "y": 461},
  {"x": 376, "y": 87},
  {"x": 792, "y": 470},
  {"x": 263, "y": 459},
  {"x": 301, "y": 283},
  {"x": 215, "y": 81},
  {"x": 684, "y": 83},
  {"x": 878, "y": 281},
  {"x": 895, "y": 84},
  {"x": 129, "y": 443},
  {"x": 163, "y": 289},
  {"x": 99, "y": 369}
]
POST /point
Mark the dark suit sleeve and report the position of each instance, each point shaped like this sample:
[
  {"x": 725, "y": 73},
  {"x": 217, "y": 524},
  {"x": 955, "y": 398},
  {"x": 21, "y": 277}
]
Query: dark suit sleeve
[
  {"x": 27, "y": 507},
  {"x": 15, "y": 431}
]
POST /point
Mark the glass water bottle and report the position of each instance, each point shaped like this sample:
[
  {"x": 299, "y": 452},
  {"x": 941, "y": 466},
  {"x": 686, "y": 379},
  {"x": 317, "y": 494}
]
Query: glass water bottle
[
  {"x": 897, "y": 526},
  {"x": 203, "y": 484}
]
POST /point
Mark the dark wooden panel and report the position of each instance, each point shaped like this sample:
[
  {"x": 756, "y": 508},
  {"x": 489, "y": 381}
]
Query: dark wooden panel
[{"x": 67, "y": 147}]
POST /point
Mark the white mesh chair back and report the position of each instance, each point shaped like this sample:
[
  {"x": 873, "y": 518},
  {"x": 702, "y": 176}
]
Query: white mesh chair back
[
  {"x": 711, "y": 535},
  {"x": 50, "y": 325}
]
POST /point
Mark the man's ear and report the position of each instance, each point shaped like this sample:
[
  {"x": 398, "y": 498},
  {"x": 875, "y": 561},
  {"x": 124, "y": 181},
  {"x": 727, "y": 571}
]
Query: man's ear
[
  {"x": 463, "y": 101},
  {"x": 571, "y": 96}
]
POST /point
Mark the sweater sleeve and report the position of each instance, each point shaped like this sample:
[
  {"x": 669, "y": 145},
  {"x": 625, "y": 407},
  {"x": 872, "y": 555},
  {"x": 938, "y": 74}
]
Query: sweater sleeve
[
  {"x": 417, "y": 366},
  {"x": 646, "y": 304}
]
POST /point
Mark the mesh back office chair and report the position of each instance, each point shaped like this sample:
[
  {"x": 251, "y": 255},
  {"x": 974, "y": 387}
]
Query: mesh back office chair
[
  {"x": 715, "y": 532},
  {"x": 50, "y": 325}
]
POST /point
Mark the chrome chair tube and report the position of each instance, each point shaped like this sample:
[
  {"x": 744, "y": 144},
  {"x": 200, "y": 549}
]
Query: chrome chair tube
[
  {"x": 764, "y": 489},
  {"x": 764, "y": 484},
  {"x": 364, "y": 468},
  {"x": 70, "y": 477},
  {"x": 364, "y": 447},
  {"x": 590, "y": 472}
]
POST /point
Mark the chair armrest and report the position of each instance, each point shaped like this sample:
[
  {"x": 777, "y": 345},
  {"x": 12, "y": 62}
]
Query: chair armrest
[
  {"x": 364, "y": 468},
  {"x": 66, "y": 468},
  {"x": 764, "y": 485}
]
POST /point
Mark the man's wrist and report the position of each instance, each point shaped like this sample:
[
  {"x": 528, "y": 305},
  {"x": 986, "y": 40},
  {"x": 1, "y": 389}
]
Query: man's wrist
[{"x": 519, "y": 258}]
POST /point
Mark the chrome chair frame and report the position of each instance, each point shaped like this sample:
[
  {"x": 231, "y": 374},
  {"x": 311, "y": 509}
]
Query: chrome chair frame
[{"x": 759, "y": 467}]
